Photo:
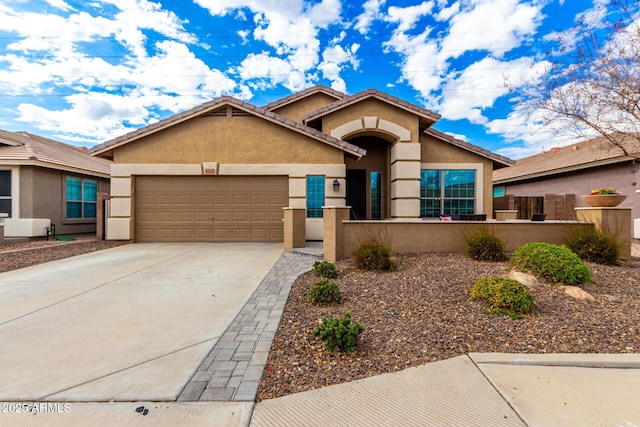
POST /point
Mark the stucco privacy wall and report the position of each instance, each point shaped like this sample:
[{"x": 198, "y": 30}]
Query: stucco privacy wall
[
  {"x": 437, "y": 154},
  {"x": 120, "y": 223}
]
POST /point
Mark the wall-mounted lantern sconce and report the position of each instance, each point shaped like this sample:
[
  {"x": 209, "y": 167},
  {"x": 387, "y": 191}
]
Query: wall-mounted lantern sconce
[{"x": 336, "y": 185}]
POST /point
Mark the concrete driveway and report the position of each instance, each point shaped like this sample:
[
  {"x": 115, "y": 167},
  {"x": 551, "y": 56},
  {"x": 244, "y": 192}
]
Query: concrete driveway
[{"x": 128, "y": 323}]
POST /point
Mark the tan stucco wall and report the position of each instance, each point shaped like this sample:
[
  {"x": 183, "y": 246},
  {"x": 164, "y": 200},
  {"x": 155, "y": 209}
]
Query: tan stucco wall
[
  {"x": 299, "y": 108},
  {"x": 238, "y": 140},
  {"x": 372, "y": 108},
  {"x": 437, "y": 151},
  {"x": 435, "y": 236},
  {"x": 42, "y": 196}
]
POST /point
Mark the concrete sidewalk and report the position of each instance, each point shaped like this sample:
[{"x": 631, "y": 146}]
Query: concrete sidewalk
[{"x": 476, "y": 390}]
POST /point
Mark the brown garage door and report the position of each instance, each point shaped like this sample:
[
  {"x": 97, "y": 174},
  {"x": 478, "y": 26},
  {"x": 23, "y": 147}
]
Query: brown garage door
[{"x": 210, "y": 208}]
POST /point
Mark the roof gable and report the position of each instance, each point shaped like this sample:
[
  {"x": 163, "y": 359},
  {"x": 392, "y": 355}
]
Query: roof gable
[
  {"x": 26, "y": 148},
  {"x": 304, "y": 94},
  {"x": 217, "y": 107},
  {"x": 582, "y": 155},
  {"x": 427, "y": 117},
  {"x": 496, "y": 158}
]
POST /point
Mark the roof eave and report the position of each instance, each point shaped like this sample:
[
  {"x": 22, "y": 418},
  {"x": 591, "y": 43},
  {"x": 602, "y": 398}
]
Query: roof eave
[{"x": 566, "y": 169}]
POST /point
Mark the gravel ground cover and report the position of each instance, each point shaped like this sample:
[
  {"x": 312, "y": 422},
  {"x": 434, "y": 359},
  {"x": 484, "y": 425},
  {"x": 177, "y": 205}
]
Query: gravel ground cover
[
  {"x": 19, "y": 255},
  {"x": 422, "y": 313},
  {"x": 417, "y": 314}
]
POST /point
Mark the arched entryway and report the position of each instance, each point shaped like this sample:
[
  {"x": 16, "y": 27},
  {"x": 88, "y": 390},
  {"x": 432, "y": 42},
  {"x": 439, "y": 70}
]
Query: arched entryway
[{"x": 368, "y": 179}]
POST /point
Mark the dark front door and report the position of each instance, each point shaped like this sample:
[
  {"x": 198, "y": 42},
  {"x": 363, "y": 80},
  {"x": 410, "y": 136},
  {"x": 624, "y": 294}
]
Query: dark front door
[{"x": 357, "y": 193}]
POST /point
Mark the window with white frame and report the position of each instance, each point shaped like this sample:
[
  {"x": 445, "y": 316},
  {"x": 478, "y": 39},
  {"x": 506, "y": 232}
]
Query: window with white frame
[{"x": 81, "y": 198}]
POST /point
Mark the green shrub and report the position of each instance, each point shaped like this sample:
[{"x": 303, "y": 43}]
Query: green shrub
[
  {"x": 595, "y": 246},
  {"x": 551, "y": 262},
  {"x": 506, "y": 296},
  {"x": 325, "y": 269},
  {"x": 373, "y": 256},
  {"x": 484, "y": 245},
  {"x": 324, "y": 292},
  {"x": 338, "y": 333}
]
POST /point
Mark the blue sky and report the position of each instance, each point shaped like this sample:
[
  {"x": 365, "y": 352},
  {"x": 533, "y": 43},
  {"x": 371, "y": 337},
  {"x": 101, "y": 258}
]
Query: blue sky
[{"x": 84, "y": 72}]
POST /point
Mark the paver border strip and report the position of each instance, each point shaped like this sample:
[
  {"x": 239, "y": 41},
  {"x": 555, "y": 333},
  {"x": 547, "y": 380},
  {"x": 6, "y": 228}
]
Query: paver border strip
[{"x": 233, "y": 368}]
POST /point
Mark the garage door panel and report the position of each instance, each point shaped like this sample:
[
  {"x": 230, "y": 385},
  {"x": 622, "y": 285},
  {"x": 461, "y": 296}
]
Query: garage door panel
[{"x": 173, "y": 208}]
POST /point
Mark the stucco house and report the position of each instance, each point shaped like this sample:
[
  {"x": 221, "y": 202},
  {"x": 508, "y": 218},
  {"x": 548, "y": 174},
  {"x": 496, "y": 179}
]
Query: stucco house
[
  {"x": 224, "y": 171},
  {"x": 44, "y": 182},
  {"x": 575, "y": 170}
]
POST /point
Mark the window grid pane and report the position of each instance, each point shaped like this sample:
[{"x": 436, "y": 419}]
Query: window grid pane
[
  {"x": 315, "y": 196},
  {"x": 5, "y": 183},
  {"x": 74, "y": 188},
  {"x": 456, "y": 196},
  {"x": 90, "y": 190},
  {"x": 81, "y": 197},
  {"x": 376, "y": 195}
]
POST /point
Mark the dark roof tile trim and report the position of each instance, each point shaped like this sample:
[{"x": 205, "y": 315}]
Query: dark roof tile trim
[
  {"x": 579, "y": 156},
  {"x": 371, "y": 93},
  {"x": 470, "y": 147},
  {"x": 304, "y": 93},
  {"x": 260, "y": 111}
]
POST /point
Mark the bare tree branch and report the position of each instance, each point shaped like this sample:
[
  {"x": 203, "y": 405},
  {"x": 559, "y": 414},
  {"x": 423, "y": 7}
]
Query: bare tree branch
[{"x": 592, "y": 87}]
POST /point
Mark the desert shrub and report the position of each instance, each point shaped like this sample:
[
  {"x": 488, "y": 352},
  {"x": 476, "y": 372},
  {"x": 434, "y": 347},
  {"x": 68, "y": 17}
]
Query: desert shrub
[
  {"x": 324, "y": 292},
  {"x": 595, "y": 246},
  {"x": 505, "y": 295},
  {"x": 338, "y": 333},
  {"x": 373, "y": 256},
  {"x": 484, "y": 245},
  {"x": 325, "y": 269},
  {"x": 551, "y": 262}
]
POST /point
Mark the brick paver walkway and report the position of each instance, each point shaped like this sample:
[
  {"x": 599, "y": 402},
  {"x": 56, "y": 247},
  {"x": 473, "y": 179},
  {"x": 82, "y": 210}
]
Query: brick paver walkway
[{"x": 233, "y": 368}]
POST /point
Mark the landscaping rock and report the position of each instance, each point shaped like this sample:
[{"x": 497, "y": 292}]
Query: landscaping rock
[
  {"x": 526, "y": 279},
  {"x": 578, "y": 293}
]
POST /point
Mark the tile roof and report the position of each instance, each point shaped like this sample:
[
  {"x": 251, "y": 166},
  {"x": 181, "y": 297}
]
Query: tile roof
[
  {"x": 497, "y": 158},
  {"x": 216, "y": 104},
  {"x": 582, "y": 155},
  {"x": 372, "y": 93},
  {"x": 303, "y": 94},
  {"x": 23, "y": 148}
]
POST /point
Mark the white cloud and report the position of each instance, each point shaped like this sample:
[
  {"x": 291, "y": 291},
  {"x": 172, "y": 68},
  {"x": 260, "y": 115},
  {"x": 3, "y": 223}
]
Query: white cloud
[
  {"x": 332, "y": 64},
  {"x": 60, "y": 4},
  {"x": 371, "y": 13},
  {"x": 54, "y": 55},
  {"x": 292, "y": 29},
  {"x": 408, "y": 17},
  {"x": 484, "y": 79}
]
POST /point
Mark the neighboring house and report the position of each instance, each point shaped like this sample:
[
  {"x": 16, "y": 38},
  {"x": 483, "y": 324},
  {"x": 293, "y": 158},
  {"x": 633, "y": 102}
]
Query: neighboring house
[
  {"x": 44, "y": 182},
  {"x": 575, "y": 170},
  {"x": 224, "y": 171}
]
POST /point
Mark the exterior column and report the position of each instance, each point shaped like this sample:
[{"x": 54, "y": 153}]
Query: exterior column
[
  {"x": 333, "y": 232},
  {"x": 405, "y": 180},
  {"x": 615, "y": 221},
  {"x": 294, "y": 228}
]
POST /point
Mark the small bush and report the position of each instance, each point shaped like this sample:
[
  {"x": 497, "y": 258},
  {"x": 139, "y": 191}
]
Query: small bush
[
  {"x": 484, "y": 245},
  {"x": 595, "y": 246},
  {"x": 338, "y": 333},
  {"x": 373, "y": 256},
  {"x": 374, "y": 252},
  {"x": 324, "y": 292},
  {"x": 551, "y": 262},
  {"x": 325, "y": 269},
  {"x": 506, "y": 296}
]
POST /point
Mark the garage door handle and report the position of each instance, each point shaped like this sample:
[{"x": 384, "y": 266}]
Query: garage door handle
[{"x": 212, "y": 217}]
